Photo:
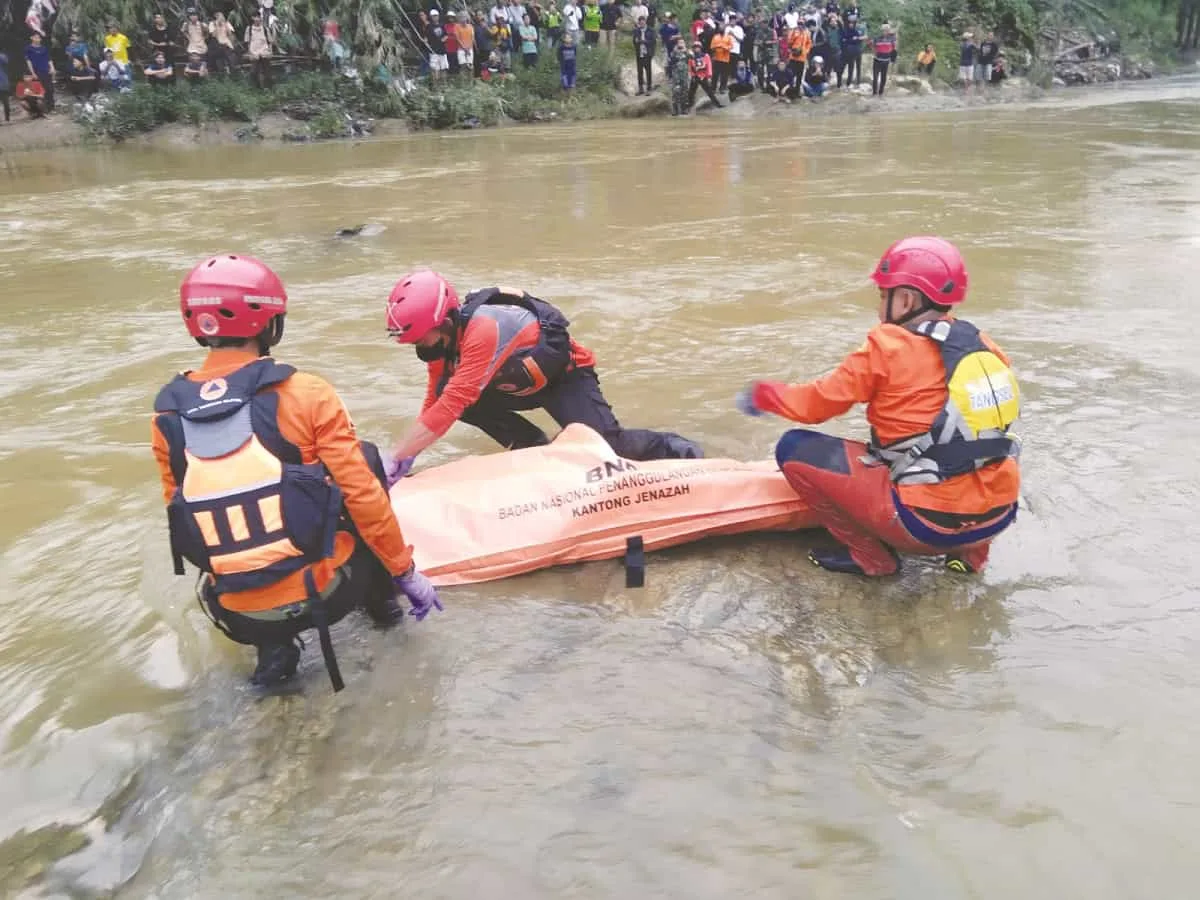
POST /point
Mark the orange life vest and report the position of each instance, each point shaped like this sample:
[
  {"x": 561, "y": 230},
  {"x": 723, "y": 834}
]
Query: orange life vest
[{"x": 246, "y": 509}]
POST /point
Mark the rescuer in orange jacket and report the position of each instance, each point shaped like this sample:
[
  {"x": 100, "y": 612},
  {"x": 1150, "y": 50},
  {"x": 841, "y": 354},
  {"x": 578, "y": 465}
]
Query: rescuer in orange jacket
[
  {"x": 495, "y": 354},
  {"x": 269, "y": 492},
  {"x": 940, "y": 473}
]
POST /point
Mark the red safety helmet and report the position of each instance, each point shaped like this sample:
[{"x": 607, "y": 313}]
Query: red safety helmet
[
  {"x": 930, "y": 264},
  {"x": 231, "y": 297},
  {"x": 419, "y": 303}
]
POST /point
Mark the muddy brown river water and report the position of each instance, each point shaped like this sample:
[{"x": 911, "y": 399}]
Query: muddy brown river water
[{"x": 745, "y": 725}]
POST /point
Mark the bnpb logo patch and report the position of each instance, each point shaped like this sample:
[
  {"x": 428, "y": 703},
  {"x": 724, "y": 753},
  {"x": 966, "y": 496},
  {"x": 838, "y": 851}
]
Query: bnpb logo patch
[
  {"x": 208, "y": 324},
  {"x": 213, "y": 390}
]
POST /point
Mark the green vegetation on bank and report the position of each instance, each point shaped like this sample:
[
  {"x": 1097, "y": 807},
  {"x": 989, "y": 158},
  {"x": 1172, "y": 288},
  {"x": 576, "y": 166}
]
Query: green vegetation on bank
[{"x": 325, "y": 103}]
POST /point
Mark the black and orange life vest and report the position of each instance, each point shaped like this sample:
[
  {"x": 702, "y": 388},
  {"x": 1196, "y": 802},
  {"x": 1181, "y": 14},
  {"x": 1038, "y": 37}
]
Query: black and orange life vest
[{"x": 246, "y": 508}]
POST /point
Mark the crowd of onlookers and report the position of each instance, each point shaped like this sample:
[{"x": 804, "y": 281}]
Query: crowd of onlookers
[
  {"x": 727, "y": 49},
  {"x": 191, "y": 52}
]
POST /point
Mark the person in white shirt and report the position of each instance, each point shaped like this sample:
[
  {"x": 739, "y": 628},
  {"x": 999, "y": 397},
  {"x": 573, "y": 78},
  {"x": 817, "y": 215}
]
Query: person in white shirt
[
  {"x": 640, "y": 11},
  {"x": 516, "y": 15},
  {"x": 738, "y": 34},
  {"x": 495, "y": 12},
  {"x": 572, "y": 16}
]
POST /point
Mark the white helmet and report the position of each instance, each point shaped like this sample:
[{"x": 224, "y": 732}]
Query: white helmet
[{"x": 818, "y": 59}]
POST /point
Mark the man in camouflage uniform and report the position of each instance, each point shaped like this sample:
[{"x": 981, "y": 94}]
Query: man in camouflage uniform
[
  {"x": 680, "y": 78},
  {"x": 766, "y": 52}
]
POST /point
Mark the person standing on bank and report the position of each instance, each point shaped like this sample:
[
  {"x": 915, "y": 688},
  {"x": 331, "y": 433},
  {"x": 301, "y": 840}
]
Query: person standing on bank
[
  {"x": 886, "y": 50},
  {"x": 269, "y": 491},
  {"x": 644, "y": 41},
  {"x": 497, "y": 353},
  {"x": 940, "y": 475}
]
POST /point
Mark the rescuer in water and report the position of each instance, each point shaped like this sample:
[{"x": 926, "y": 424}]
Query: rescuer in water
[
  {"x": 268, "y": 489},
  {"x": 496, "y": 353},
  {"x": 940, "y": 474}
]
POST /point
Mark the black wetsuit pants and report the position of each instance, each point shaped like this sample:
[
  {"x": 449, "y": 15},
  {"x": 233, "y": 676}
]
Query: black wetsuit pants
[
  {"x": 576, "y": 397},
  {"x": 364, "y": 582}
]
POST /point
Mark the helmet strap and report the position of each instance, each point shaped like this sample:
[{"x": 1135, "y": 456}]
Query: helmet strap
[
  {"x": 270, "y": 336},
  {"x": 920, "y": 309}
]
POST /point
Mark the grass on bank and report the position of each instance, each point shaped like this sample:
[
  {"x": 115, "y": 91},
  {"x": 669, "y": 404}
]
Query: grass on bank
[{"x": 323, "y": 102}]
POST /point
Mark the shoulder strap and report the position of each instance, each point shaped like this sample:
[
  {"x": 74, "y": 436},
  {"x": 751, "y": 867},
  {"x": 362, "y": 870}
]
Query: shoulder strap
[
  {"x": 264, "y": 419},
  {"x": 170, "y": 427}
]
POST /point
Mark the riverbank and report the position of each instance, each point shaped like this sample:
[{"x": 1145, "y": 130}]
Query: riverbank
[{"x": 303, "y": 115}]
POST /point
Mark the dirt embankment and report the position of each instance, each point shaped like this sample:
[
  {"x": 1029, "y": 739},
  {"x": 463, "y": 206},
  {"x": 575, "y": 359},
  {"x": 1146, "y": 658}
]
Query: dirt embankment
[{"x": 904, "y": 94}]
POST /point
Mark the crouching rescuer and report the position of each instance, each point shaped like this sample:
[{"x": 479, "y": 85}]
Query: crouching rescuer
[
  {"x": 498, "y": 352},
  {"x": 940, "y": 475},
  {"x": 269, "y": 492}
]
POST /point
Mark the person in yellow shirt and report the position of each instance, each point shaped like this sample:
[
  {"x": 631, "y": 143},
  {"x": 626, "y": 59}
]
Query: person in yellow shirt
[
  {"x": 502, "y": 39},
  {"x": 116, "y": 41},
  {"x": 926, "y": 60}
]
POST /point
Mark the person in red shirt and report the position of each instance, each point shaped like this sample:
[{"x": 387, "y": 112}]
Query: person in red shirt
[
  {"x": 940, "y": 474},
  {"x": 269, "y": 491},
  {"x": 499, "y": 352},
  {"x": 450, "y": 42},
  {"x": 700, "y": 68}
]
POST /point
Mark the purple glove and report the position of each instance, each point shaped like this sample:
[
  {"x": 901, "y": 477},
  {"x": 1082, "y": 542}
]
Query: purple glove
[
  {"x": 745, "y": 402},
  {"x": 397, "y": 469},
  {"x": 420, "y": 592}
]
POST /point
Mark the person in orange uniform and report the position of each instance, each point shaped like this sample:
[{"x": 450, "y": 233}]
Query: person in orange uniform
[
  {"x": 940, "y": 474},
  {"x": 499, "y": 352},
  {"x": 269, "y": 492},
  {"x": 721, "y": 48}
]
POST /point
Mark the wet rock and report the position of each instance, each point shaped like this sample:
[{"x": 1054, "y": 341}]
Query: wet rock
[
  {"x": 247, "y": 133},
  {"x": 913, "y": 84},
  {"x": 294, "y": 136},
  {"x": 654, "y": 105},
  {"x": 1089, "y": 72},
  {"x": 628, "y": 76}
]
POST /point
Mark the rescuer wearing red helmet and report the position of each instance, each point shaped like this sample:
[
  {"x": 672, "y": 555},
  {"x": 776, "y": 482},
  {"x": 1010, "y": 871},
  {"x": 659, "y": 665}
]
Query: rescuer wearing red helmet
[
  {"x": 269, "y": 492},
  {"x": 500, "y": 351},
  {"x": 940, "y": 474}
]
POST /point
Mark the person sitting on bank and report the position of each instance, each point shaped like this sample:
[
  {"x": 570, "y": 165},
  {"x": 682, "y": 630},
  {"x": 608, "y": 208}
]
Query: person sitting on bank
[
  {"x": 32, "y": 95},
  {"x": 196, "y": 70},
  {"x": 269, "y": 491},
  {"x": 82, "y": 79},
  {"x": 940, "y": 475},
  {"x": 115, "y": 74},
  {"x": 743, "y": 81},
  {"x": 815, "y": 78},
  {"x": 499, "y": 352},
  {"x": 782, "y": 85},
  {"x": 159, "y": 73},
  {"x": 77, "y": 48},
  {"x": 926, "y": 60}
]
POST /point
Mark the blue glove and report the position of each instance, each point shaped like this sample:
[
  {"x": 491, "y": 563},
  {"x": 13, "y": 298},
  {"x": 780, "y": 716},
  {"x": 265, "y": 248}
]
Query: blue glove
[
  {"x": 745, "y": 402},
  {"x": 420, "y": 592},
  {"x": 397, "y": 469}
]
